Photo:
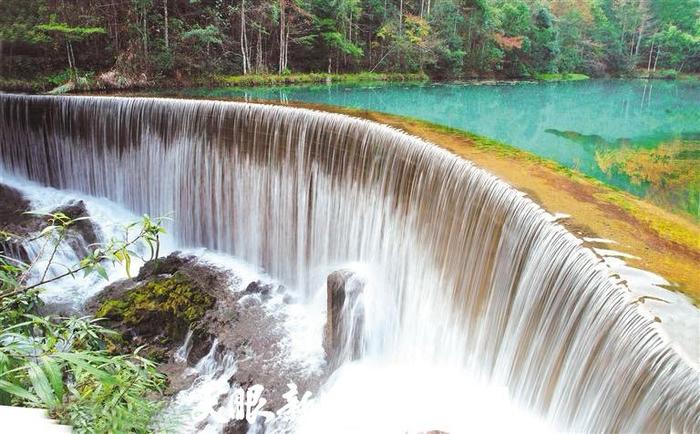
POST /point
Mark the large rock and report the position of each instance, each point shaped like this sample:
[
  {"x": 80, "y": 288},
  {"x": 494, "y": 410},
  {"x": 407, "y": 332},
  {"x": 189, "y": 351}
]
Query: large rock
[
  {"x": 82, "y": 234},
  {"x": 13, "y": 207},
  {"x": 17, "y": 225},
  {"x": 343, "y": 337},
  {"x": 156, "y": 309}
]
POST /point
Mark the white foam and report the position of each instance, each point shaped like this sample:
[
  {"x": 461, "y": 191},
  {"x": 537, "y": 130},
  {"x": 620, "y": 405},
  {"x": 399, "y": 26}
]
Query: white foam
[{"x": 374, "y": 397}]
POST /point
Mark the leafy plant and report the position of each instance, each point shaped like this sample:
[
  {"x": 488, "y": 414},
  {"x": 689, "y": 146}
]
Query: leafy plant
[{"x": 67, "y": 364}]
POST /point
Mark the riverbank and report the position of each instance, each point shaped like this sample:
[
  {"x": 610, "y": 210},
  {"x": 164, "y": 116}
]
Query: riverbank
[
  {"x": 315, "y": 77},
  {"x": 561, "y": 77},
  {"x": 113, "y": 81}
]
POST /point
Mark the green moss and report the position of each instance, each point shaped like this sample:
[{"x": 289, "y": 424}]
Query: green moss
[
  {"x": 561, "y": 77},
  {"x": 172, "y": 298}
]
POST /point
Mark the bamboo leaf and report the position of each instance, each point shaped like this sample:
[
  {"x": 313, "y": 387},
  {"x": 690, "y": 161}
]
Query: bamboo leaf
[
  {"x": 82, "y": 362},
  {"x": 55, "y": 376},
  {"x": 101, "y": 271},
  {"x": 41, "y": 386},
  {"x": 18, "y": 391}
]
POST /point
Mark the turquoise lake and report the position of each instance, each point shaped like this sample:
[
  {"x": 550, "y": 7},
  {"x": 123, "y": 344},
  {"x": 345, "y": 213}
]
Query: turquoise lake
[{"x": 637, "y": 135}]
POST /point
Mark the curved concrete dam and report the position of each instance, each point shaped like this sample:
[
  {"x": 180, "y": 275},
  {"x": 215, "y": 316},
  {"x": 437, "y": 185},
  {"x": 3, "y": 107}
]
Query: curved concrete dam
[{"x": 466, "y": 271}]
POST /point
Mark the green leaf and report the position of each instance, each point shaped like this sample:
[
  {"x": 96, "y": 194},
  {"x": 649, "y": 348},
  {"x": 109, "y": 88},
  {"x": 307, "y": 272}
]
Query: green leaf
[
  {"x": 18, "y": 391},
  {"x": 54, "y": 375},
  {"x": 41, "y": 386},
  {"x": 47, "y": 230},
  {"x": 127, "y": 264},
  {"x": 81, "y": 361},
  {"x": 101, "y": 271}
]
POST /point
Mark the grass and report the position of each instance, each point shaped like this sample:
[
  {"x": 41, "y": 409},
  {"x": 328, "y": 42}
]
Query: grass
[
  {"x": 561, "y": 77},
  {"x": 670, "y": 228},
  {"x": 313, "y": 77},
  {"x": 55, "y": 81}
]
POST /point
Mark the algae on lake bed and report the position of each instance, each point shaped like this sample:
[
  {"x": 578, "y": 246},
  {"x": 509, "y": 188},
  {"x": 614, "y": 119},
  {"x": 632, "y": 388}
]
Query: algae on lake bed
[
  {"x": 663, "y": 169},
  {"x": 670, "y": 173}
]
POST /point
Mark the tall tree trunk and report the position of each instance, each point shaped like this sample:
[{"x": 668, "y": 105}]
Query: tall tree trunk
[
  {"x": 642, "y": 27},
  {"x": 244, "y": 41},
  {"x": 658, "y": 51},
  {"x": 643, "y": 21},
  {"x": 651, "y": 51},
  {"x": 165, "y": 25},
  {"x": 400, "y": 16},
  {"x": 145, "y": 35},
  {"x": 286, "y": 48},
  {"x": 369, "y": 48},
  {"x": 70, "y": 60},
  {"x": 259, "y": 52},
  {"x": 116, "y": 27},
  {"x": 283, "y": 35}
]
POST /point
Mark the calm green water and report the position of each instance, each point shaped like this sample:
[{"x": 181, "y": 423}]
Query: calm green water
[{"x": 640, "y": 136}]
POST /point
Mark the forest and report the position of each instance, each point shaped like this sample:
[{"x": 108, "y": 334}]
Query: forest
[{"x": 189, "y": 41}]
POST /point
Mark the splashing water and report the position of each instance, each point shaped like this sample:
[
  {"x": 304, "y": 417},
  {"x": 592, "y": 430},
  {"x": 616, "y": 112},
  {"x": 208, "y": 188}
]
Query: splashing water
[
  {"x": 108, "y": 218},
  {"x": 472, "y": 283}
]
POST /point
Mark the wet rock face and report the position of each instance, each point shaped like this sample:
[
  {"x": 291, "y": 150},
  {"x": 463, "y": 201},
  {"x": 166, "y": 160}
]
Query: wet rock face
[
  {"x": 17, "y": 225},
  {"x": 345, "y": 318},
  {"x": 12, "y": 208},
  {"x": 14, "y": 223},
  {"x": 82, "y": 233}
]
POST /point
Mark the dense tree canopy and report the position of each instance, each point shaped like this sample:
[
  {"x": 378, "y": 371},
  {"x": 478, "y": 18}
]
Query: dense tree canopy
[{"x": 445, "y": 38}]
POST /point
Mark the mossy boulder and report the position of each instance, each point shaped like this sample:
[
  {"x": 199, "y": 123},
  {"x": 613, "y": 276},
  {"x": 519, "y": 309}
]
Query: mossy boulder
[
  {"x": 156, "y": 309},
  {"x": 168, "y": 305}
]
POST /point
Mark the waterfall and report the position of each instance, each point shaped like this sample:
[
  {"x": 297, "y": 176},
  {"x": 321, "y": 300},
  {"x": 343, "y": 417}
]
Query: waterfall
[{"x": 465, "y": 270}]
